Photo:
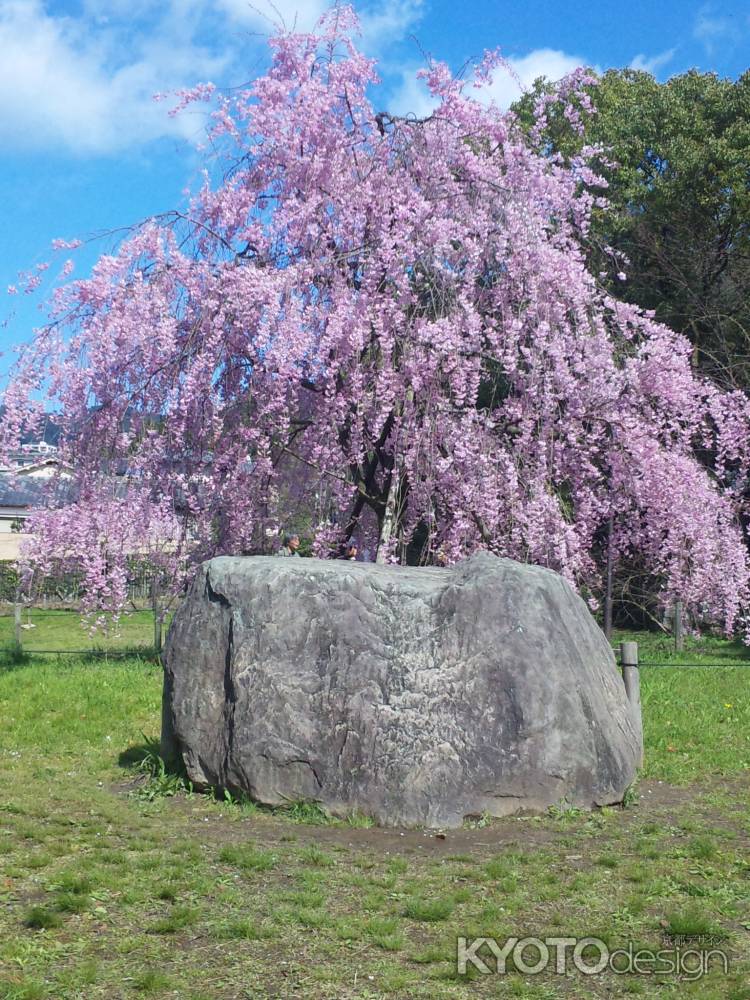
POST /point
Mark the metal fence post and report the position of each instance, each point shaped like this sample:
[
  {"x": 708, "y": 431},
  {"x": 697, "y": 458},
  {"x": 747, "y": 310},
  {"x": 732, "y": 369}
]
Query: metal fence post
[
  {"x": 157, "y": 616},
  {"x": 632, "y": 680},
  {"x": 18, "y": 608},
  {"x": 608, "y": 590},
  {"x": 679, "y": 641}
]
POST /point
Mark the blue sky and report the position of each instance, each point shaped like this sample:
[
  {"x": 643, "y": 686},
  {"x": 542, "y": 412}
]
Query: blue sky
[{"x": 86, "y": 150}]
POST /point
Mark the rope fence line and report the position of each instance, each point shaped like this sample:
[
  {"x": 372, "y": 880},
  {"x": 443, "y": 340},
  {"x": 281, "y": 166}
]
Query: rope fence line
[
  {"x": 653, "y": 663},
  {"x": 104, "y": 653},
  {"x": 146, "y": 585},
  {"x": 629, "y": 664},
  {"x": 667, "y": 663},
  {"x": 626, "y": 653},
  {"x": 20, "y": 643}
]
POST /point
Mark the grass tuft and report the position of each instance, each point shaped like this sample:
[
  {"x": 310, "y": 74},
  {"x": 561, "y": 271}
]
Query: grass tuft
[
  {"x": 248, "y": 858},
  {"x": 306, "y": 812},
  {"x": 71, "y": 902},
  {"x": 69, "y": 882},
  {"x": 27, "y": 989},
  {"x": 177, "y": 920},
  {"x": 702, "y": 849},
  {"x": 385, "y": 934},
  {"x": 428, "y": 910},
  {"x": 42, "y": 918},
  {"x": 360, "y": 821},
  {"x": 689, "y": 921},
  {"x": 240, "y": 930},
  {"x": 316, "y": 857},
  {"x": 151, "y": 981}
]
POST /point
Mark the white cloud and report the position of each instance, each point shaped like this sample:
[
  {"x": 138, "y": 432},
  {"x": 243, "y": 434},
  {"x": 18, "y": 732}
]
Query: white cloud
[
  {"x": 389, "y": 21},
  {"x": 63, "y": 85},
  {"x": 508, "y": 84},
  {"x": 652, "y": 64},
  {"x": 107, "y": 11},
  {"x": 301, "y": 15},
  {"x": 382, "y": 21},
  {"x": 85, "y": 83},
  {"x": 714, "y": 29},
  {"x": 411, "y": 96}
]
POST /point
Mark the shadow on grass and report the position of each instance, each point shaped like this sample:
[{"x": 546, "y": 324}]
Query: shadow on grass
[
  {"x": 146, "y": 654},
  {"x": 146, "y": 756},
  {"x": 139, "y": 753},
  {"x": 155, "y": 776},
  {"x": 12, "y": 657}
]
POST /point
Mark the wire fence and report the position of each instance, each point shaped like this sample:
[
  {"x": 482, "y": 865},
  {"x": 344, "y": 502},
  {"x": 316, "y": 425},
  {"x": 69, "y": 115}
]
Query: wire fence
[
  {"x": 662, "y": 663},
  {"x": 37, "y": 629},
  {"x": 27, "y": 629},
  {"x": 147, "y": 652},
  {"x": 66, "y": 590},
  {"x": 672, "y": 663}
]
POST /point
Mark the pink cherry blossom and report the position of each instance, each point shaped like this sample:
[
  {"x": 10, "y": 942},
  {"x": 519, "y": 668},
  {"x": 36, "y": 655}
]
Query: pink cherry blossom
[{"x": 384, "y": 326}]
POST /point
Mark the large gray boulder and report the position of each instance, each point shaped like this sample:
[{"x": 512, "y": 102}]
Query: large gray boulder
[{"x": 415, "y": 696}]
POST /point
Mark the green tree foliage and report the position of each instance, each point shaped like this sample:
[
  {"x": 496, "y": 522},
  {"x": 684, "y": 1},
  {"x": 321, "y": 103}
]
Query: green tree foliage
[{"x": 679, "y": 181}]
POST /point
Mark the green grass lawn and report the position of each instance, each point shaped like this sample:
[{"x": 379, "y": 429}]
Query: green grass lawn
[
  {"x": 117, "y": 884},
  {"x": 659, "y": 648},
  {"x": 63, "y": 631}
]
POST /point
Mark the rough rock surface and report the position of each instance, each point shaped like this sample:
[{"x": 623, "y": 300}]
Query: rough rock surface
[{"x": 415, "y": 696}]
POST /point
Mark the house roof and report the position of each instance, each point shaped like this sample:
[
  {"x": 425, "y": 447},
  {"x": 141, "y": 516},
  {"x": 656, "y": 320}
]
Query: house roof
[
  {"x": 24, "y": 491},
  {"x": 20, "y": 491}
]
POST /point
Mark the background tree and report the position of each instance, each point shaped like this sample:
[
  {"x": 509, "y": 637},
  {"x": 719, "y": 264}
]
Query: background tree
[
  {"x": 675, "y": 236},
  {"x": 389, "y": 323},
  {"x": 676, "y": 166}
]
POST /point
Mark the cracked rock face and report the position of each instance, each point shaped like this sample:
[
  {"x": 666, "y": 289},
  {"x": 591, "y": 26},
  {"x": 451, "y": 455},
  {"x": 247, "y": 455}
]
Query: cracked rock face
[{"x": 415, "y": 696}]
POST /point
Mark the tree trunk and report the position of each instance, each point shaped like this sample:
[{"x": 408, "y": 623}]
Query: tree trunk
[
  {"x": 608, "y": 591},
  {"x": 387, "y": 523}
]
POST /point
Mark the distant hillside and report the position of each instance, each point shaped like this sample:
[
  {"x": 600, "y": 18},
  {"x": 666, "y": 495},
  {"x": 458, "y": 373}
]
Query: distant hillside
[{"x": 50, "y": 433}]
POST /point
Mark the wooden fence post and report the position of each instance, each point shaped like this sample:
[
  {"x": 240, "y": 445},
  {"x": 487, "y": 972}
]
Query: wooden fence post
[
  {"x": 632, "y": 679},
  {"x": 679, "y": 642}
]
